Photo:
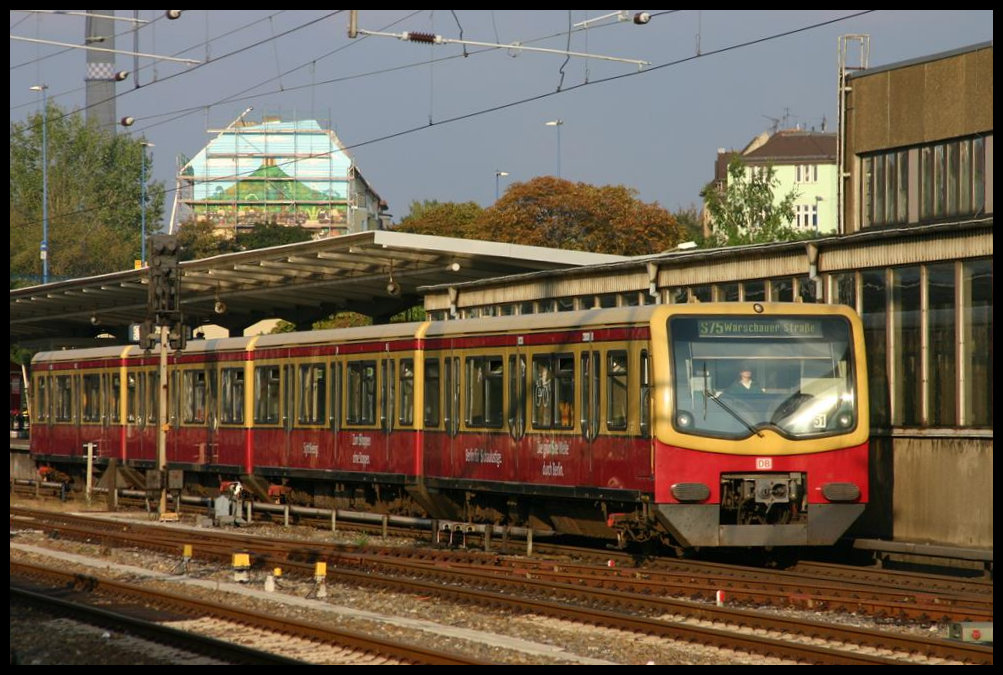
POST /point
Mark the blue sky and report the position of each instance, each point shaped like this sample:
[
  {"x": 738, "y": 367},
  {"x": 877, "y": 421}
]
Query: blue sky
[{"x": 438, "y": 121}]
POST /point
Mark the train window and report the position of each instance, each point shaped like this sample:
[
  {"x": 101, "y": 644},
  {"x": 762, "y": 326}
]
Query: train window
[
  {"x": 543, "y": 395},
  {"x": 432, "y": 393},
  {"x": 266, "y": 394},
  {"x": 616, "y": 390},
  {"x": 312, "y": 393},
  {"x": 565, "y": 304},
  {"x": 645, "y": 402},
  {"x": 554, "y": 391},
  {"x": 485, "y": 407},
  {"x": 405, "y": 413},
  {"x": 193, "y": 397},
  {"x": 231, "y": 396},
  {"x": 361, "y": 392},
  {"x": 91, "y": 398},
  {"x": 517, "y": 396},
  {"x": 63, "y": 399}
]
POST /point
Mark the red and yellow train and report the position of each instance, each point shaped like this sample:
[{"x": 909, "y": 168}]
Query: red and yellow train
[{"x": 617, "y": 423}]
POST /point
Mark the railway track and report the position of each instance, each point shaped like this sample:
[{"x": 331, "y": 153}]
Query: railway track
[
  {"x": 312, "y": 643},
  {"x": 220, "y": 652},
  {"x": 632, "y": 600}
]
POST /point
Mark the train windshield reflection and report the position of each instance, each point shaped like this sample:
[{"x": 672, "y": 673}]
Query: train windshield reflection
[{"x": 734, "y": 376}]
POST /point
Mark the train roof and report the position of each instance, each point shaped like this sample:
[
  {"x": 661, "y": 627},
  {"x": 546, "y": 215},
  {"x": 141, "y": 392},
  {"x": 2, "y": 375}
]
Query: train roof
[{"x": 526, "y": 323}]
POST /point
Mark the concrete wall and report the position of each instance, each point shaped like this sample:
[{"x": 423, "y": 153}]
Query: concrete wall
[{"x": 931, "y": 490}]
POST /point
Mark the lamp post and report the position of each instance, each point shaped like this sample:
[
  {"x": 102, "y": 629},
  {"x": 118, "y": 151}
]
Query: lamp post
[
  {"x": 558, "y": 124},
  {"x": 498, "y": 174},
  {"x": 44, "y": 249},
  {"x": 142, "y": 217}
]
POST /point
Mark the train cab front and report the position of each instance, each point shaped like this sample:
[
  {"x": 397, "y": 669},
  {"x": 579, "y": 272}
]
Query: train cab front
[
  {"x": 702, "y": 504},
  {"x": 761, "y": 426}
]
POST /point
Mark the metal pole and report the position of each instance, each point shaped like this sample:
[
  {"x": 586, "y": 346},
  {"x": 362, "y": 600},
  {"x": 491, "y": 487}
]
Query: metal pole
[
  {"x": 162, "y": 422},
  {"x": 44, "y": 250},
  {"x": 142, "y": 217},
  {"x": 558, "y": 124},
  {"x": 498, "y": 174}
]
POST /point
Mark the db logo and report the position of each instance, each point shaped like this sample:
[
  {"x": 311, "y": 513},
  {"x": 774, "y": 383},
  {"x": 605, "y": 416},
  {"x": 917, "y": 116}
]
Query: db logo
[{"x": 764, "y": 463}]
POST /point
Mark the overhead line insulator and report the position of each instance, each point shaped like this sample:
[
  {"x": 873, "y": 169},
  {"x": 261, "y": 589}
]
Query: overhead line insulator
[{"x": 430, "y": 38}]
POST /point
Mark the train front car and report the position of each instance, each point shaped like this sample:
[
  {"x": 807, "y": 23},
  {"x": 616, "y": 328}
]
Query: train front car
[{"x": 761, "y": 423}]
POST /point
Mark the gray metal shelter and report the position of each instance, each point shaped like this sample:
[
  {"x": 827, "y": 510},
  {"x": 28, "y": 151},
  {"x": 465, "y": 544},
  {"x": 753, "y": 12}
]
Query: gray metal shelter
[{"x": 376, "y": 273}]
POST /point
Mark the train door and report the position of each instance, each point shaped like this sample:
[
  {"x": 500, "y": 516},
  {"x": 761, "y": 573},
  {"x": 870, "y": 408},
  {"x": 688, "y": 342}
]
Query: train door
[
  {"x": 388, "y": 396},
  {"x": 115, "y": 421},
  {"x": 288, "y": 413},
  {"x": 211, "y": 413},
  {"x": 451, "y": 408},
  {"x": 517, "y": 397},
  {"x": 335, "y": 415},
  {"x": 589, "y": 417}
]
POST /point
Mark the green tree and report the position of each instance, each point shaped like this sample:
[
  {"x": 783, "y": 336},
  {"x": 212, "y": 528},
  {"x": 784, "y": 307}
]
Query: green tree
[
  {"x": 745, "y": 211},
  {"x": 444, "y": 219},
  {"x": 202, "y": 239},
  {"x": 691, "y": 223},
  {"x": 549, "y": 211},
  {"x": 94, "y": 195},
  {"x": 265, "y": 235}
]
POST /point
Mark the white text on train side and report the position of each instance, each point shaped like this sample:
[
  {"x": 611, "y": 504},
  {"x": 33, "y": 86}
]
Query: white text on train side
[
  {"x": 553, "y": 448},
  {"x": 311, "y": 449},
  {"x": 553, "y": 469},
  {"x": 479, "y": 456}
]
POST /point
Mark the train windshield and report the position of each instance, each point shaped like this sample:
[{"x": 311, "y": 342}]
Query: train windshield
[{"x": 734, "y": 376}]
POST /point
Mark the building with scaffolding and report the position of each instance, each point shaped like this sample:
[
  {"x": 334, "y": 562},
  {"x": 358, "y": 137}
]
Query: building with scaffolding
[{"x": 290, "y": 173}]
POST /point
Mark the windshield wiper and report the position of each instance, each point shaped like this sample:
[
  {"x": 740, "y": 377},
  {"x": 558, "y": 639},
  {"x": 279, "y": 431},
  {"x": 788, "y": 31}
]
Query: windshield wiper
[{"x": 712, "y": 396}]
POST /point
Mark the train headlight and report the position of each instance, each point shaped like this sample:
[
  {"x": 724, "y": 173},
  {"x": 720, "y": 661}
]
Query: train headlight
[
  {"x": 690, "y": 492},
  {"x": 684, "y": 420},
  {"x": 841, "y": 492},
  {"x": 844, "y": 420}
]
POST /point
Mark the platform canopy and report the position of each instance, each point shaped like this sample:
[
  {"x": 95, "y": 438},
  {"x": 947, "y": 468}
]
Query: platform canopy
[{"x": 375, "y": 273}]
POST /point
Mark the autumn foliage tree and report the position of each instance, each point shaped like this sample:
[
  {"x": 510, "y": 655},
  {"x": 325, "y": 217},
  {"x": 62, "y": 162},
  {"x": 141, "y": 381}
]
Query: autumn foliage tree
[
  {"x": 556, "y": 213},
  {"x": 444, "y": 219},
  {"x": 549, "y": 211}
]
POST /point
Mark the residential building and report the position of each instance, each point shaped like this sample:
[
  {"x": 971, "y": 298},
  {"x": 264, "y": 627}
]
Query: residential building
[{"x": 802, "y": 161}]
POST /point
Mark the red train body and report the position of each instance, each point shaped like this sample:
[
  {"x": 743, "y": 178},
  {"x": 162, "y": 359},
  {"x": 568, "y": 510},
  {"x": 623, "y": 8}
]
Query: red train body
[{"x": 611, "y": 423}]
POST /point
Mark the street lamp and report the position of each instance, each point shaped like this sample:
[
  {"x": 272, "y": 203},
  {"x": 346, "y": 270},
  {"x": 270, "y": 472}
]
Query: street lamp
[
  {"x": 44, "y": 250},
  {"x": 558, "y": 124},
  {"x": 498, "y": 174},
  {"x": 142, "y": 170}
]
